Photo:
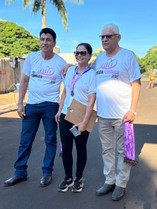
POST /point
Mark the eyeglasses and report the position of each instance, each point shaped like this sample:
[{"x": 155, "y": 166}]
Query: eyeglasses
[
  {"x": 82, "y": 53},
  {"x": 107, "y": 36}
]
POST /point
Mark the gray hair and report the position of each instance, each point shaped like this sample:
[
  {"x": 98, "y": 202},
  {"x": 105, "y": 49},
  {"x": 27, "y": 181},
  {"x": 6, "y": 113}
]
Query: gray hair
[{"x": 113, "y": 27}]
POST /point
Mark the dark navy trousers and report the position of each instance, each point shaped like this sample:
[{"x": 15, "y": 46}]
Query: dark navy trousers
[{"x": 46, "y": 112}]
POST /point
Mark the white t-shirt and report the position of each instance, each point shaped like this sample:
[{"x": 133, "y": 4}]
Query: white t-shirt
[
  {"x": 113, "y": 78},
  {"x": 84, "y": 86},
  {"x": 45, "y": 77}
]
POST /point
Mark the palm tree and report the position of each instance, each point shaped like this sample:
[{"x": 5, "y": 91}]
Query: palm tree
[{"x": 40, "y": 5}]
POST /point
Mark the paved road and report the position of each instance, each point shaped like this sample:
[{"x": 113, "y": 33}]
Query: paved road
[{"x": 142, "y": 187}]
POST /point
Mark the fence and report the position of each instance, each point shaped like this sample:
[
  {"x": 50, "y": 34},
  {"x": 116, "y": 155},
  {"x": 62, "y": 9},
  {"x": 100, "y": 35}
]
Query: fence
[{"x": 10, "y": 73}]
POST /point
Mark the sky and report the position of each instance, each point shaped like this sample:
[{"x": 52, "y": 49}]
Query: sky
[{"x": 137, "y": 21}]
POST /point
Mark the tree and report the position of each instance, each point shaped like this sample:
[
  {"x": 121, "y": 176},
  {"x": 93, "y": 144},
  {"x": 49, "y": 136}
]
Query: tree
[
  {"x": 150, "y": 60},
  {"x": 40, "y": 5},
  {"x": 95, "y": 54},
  {"x": 16, "y": 41}
]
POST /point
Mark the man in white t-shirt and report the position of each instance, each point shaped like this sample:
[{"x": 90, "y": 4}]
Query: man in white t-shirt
[
  {"x": 118, "y": 89},
  {"x": 42, "y": 76}
]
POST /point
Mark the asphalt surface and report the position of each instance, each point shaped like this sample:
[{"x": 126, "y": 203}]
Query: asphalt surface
[{"x": 141, "y": 191}]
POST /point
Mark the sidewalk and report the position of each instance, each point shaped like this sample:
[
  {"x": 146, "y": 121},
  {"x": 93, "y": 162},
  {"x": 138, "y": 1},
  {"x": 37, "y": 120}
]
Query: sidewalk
[
  {"x": 8, "y": 104},
  {"x": 146, "y": 110},
  {"x": 8, "y": 99}
]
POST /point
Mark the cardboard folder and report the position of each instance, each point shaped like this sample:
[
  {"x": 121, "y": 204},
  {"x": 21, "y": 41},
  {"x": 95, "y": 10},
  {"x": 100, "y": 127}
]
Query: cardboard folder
[{"x": 76, "y": 113}]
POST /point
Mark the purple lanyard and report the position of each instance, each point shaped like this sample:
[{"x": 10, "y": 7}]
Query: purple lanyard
[{"x": 74, "y": 79}]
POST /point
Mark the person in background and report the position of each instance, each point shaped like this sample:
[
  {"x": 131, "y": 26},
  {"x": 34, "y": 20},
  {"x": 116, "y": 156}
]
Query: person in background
[
  {"x": 42, "y": 76},
  {"x": 151, "y": 79},
  {"x": 118, "y": 89},
  {"x": 79, "y": 84}
]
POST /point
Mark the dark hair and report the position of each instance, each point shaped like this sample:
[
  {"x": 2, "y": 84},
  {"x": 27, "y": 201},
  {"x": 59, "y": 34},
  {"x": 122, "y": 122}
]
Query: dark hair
[
  {"x": 50, "y": 31},
  {"x": 87, "y": 46}
]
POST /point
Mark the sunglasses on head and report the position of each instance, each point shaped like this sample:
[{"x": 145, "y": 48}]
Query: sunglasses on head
[
  {"x": 107, "y": 36},
  {"x": 82, "y": 53}
]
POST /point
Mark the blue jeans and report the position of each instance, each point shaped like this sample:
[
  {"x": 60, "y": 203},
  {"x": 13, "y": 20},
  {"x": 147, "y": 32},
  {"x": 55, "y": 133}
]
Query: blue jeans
[{"x": 30, "y": 124}]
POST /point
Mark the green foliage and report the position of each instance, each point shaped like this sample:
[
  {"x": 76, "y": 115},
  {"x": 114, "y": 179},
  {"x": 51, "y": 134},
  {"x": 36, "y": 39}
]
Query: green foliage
[
  {"x": 95, "y": 54},
  {"x": 16, "y": 41},
  {"x": 149, "y": 61}
]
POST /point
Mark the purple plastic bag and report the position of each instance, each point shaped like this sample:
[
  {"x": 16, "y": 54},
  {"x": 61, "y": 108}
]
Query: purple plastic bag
[{"x": 129, "y": 143}]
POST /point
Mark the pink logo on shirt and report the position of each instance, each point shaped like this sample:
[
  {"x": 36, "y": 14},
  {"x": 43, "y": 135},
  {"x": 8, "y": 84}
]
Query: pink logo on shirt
[
  {"x": 46, "y": 73},
  {"x": 111, "y": 63}
]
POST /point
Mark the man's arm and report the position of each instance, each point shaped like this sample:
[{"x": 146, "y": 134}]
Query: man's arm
[
  {"x": 22, "y": 93},
  {"x": 65, "y": 68},
  {"x": 136, "y": 87},
  {"x": 63, "y": 96}
]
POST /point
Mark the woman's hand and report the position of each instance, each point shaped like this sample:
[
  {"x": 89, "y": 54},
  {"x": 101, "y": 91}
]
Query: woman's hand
[{"x": 81, "y": 126}]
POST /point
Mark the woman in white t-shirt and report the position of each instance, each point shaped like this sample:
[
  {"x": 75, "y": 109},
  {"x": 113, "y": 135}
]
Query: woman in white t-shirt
[{"x": 79, "y": 84}]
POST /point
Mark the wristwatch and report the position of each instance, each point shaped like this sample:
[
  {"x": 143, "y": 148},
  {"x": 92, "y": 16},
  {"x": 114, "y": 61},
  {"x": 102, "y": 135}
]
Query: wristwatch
[{"x": 132, "y": 111}]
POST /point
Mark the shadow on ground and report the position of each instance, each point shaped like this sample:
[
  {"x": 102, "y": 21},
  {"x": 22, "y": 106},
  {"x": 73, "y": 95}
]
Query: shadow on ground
[{"x": 142, "y": 187}]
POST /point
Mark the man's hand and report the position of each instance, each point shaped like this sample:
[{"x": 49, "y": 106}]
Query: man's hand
[
  {"x": 21, "y": 111},
  {"x": 57, "y": 116},
  {"x": 129, "y": 117},
  {"x": 65, "y": 68}
]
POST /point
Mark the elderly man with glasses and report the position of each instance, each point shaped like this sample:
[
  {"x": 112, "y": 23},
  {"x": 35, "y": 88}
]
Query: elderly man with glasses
[{"x": 118, "y": 89}]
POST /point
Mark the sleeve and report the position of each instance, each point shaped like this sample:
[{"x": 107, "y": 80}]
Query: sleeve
[
  {"x": 134, "y": 69},
  {"x": 92, "y": 82},
  {"x": 27, "y": 66},
  {"x": 93, "y": 66}
]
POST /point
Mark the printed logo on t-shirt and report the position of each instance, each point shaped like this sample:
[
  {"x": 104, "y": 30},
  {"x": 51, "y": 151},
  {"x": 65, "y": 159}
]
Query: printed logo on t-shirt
[
  {"x": 107, "y": 69},
  {"x": 47, "y": 73}
]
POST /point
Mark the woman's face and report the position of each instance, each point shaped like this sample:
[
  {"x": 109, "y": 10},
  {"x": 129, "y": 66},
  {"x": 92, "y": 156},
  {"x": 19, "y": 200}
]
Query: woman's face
[{"x": 82, "y": 56}]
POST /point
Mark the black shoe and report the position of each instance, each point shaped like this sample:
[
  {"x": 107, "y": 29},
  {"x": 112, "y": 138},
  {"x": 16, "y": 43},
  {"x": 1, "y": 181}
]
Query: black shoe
[
  {"x": 45, "y": 181},
  {"x": 14, "y": 180},
  {"x": 105, "y": 189},
  {"x": 78, "y": 185},
  {"x": 118, "y": 193},
  {"x": 65, "y": 185}
]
